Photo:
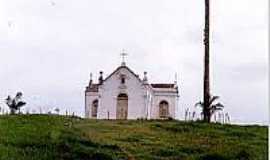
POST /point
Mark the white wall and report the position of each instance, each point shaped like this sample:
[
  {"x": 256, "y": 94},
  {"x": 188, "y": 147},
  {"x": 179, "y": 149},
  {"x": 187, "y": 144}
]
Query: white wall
[
  {"x": 89, "y": 98},
  {"x": 168, "y": 96},
  {"x": 141, "y": 99}
]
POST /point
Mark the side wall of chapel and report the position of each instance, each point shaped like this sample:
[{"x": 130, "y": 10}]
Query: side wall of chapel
[
  {"x": 90, "y": 97},
  {"x": 170, "y": 97}
]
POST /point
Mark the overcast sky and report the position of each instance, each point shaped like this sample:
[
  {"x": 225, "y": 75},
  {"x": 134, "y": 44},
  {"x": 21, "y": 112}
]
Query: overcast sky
[{"x": 48, "y": 49}]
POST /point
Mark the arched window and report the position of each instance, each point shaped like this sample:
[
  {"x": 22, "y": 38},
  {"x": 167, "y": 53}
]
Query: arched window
[
  {"x": 163, "y": 109},
  {"x": 122, "y": 106},
  {"x": 123, "y": 79},
  {"x": 94, "y": 108}
]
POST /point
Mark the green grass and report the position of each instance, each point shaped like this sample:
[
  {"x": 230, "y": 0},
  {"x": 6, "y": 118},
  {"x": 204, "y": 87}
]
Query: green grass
[{"x": 41, "y": 137}]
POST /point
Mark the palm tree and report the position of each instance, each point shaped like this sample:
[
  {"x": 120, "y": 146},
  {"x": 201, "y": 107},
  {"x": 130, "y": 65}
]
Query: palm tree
[
  {"x": 213, "y": 107},
  {"x": 206, "y": 85},
  {"x": 15, "y": 103}
]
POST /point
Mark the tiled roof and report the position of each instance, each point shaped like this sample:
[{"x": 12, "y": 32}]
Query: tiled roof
[
  {"x": 137, "y": 76},
  {"x": 162, "y": 85},
  {"x": 92, "y": 88}
]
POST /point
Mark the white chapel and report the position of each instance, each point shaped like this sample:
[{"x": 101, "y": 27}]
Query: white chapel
[{"x": 123, "y": 95}]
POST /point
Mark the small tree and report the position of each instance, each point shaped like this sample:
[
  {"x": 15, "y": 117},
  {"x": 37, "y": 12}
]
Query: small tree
[
  {"x": 213, "y": 107},
  {"x": 15, "y": 103},
  {"x": 57, "y": 110}
]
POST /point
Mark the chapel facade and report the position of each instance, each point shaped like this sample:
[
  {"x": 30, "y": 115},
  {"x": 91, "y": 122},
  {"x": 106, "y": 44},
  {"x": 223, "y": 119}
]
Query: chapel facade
[{"x": 123, "y": 95}]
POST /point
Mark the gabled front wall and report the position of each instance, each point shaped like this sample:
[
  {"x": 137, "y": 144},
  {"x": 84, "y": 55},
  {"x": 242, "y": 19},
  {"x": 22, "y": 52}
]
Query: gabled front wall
[{"x": 110, "y": 90}]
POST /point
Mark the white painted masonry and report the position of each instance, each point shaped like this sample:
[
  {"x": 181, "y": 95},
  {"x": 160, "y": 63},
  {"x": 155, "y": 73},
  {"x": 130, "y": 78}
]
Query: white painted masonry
[{"x": 144, "y": 99}]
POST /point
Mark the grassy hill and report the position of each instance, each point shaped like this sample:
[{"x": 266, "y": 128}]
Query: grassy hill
[{"x": 41, "y": 137}]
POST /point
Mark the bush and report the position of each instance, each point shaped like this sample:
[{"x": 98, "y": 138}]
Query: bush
[
  {"x": 243, "y": 155},
  {"x": 214, "y": 156}
]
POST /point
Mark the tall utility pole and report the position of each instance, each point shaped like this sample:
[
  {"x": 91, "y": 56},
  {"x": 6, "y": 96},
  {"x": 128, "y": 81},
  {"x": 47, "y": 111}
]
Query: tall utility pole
[{"x": 206, "y": 86}]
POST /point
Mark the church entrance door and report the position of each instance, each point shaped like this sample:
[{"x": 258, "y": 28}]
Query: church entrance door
[
  {"x": 163, "y": 109},
  {"x": 122, "y": 107}
]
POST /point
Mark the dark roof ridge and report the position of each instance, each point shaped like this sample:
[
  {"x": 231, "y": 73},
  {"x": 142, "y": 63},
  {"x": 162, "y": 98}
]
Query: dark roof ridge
[
  {"x": 162, "y": 85},
  {"x": 92, "y": 88},
  {"x": 118, "y": 68}
]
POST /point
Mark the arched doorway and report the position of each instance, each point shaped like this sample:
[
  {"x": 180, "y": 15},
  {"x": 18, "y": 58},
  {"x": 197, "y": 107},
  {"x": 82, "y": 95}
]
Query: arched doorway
[
  {"x": 94, "y": 108},
  {"x": 163, "y": 109},
  {"x": 122, "y": 106}
]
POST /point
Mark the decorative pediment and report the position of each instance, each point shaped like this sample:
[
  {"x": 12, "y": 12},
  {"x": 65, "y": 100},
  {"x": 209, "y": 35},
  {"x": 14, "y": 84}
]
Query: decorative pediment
[{"x": 120, "y": 72}]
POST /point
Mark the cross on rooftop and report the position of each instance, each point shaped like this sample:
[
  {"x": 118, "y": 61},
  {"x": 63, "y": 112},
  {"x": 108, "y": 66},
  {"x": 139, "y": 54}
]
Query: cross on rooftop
[{"x": 123, "y": 55}]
